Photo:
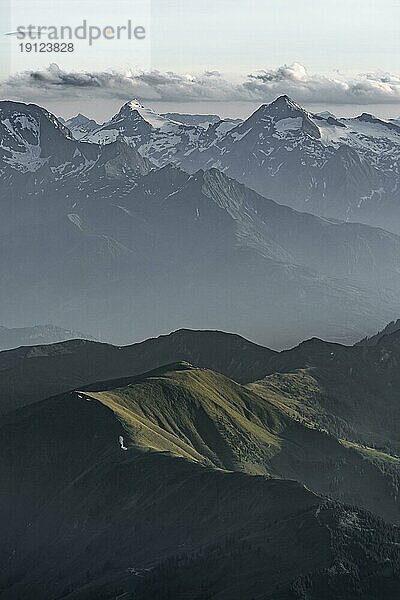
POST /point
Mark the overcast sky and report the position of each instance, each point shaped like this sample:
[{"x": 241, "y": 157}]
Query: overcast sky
[{"x": 223, "y": 56}]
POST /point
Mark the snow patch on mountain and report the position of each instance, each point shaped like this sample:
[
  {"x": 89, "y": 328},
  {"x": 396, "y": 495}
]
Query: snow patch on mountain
[
  {"x": 121, "y": 443},
  {"x": 28, "y": 161},
  {"x": 289, "y": 124}
]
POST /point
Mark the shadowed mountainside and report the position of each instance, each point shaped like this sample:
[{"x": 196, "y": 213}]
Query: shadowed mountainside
[{"x": 131, "y": 486}]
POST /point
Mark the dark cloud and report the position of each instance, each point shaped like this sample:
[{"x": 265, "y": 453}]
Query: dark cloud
[{"x": 263, "y": 86}]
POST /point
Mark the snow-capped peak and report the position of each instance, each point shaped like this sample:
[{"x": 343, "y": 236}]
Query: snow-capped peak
[
  {"x": 134, "y": 104},
  {"x": 283, "y": 115},
  {"x": 148, "y": 114},
  {"x": 281, "y": 108},
  {"x": 285, "y": 101}
]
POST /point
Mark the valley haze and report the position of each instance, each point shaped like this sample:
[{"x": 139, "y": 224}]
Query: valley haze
[{"x": 278, "y": 227}]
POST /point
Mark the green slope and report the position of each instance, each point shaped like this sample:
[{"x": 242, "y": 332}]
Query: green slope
[
  {"x": 201, "y": 415},
  {"x": 170, "y": 517},
  {"x": 351, "y": 392}
]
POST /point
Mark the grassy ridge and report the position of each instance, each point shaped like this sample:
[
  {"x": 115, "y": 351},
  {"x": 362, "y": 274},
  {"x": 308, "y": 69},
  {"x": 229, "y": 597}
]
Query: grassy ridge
[{"x": 203, "y": 416}]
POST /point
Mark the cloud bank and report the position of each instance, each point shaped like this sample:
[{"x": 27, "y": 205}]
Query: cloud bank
[{"x": 263, "y": 86}]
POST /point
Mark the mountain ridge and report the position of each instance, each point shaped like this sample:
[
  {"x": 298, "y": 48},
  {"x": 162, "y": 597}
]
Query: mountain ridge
[
  {"x": 336, "y": 387},
  {"x": 118, "y": 530}
]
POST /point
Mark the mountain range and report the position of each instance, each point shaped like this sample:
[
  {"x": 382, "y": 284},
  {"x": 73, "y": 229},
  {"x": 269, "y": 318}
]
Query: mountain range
[
  {"x": 327, "y": 378},
  {"x": 93, "y": 226},
  {"x": 317, "y": 163},
  {"x": 243, "y": 473}
]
